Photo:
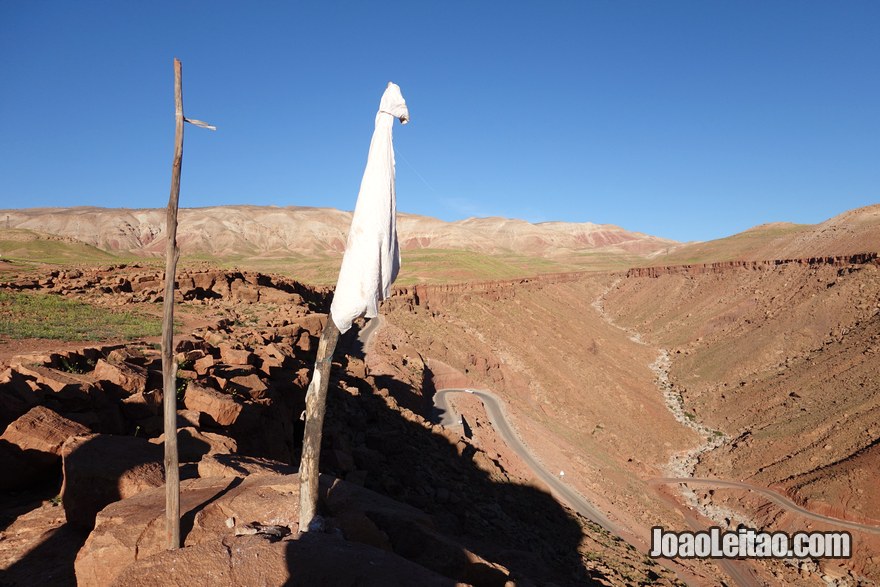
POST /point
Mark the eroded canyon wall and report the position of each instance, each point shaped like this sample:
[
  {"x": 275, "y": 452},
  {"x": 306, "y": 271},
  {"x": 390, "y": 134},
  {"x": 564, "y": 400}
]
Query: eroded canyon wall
[
  {"x": 779, "y": 356},
  {"x": 579, "y": 389},
  {"x": 782, "y": 357}
]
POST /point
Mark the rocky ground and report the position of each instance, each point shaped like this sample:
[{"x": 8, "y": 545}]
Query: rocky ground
[{"x": 403, "y": 501}]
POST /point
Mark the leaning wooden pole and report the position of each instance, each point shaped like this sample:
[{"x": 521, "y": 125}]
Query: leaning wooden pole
[
  {"x": 169, "y": 366},
  {"x": 316, "y": 406}
]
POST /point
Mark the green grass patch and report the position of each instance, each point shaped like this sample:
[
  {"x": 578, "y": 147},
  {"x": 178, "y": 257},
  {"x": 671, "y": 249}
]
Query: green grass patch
[
  {"x": 432, "y": 266},
  {"x": 32, "y": 315},
  {"x": 418, "y": 266},
  {"x": 30, "y": 246},
  {"x": 456, "y": 265},
  {"x": 760, "y": 242}
]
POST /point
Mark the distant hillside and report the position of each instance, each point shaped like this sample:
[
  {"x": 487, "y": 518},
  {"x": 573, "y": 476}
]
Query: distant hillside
[
  {"x": 855, "y": 231},
  {"x": 19, "y": 243},
  {"x": 260, "y": 231},
  {"x": 306, "y": 243}
]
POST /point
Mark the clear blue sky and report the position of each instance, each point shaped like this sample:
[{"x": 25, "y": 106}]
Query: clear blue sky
[{"x": 689, "y": 120}]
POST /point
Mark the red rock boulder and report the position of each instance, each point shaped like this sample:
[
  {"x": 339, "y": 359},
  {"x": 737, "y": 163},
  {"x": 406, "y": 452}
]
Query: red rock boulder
[
  {"x": 221, "y": 408},
  {"x": 128, "y": 378},
  {"x": 311, "y": 559},
  {"x": 31, "y": 446}
]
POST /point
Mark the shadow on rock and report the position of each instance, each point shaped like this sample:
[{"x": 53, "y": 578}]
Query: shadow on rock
[
  {"x": 51, "y": 562},
  {"x": 188, "y": 518},
  {"x": 467, "y": 511}
]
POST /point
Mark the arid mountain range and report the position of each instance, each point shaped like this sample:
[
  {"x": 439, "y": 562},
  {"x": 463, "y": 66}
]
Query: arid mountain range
[
  {"x": 306, "y": 243},
  {"x": 271, "y": 231}
]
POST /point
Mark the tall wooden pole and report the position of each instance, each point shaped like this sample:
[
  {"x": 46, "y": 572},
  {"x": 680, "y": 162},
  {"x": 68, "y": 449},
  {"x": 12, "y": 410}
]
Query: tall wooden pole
[
  {"x": 169, "y": 366},
  {"x": 316, "y": 406}
]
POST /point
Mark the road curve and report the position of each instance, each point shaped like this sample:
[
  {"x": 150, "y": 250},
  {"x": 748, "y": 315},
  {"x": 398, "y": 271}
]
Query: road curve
[
  {"x": 367, "y": 331},
  {"x": 446, "y": 417},
  {"x": 773, "y": 496}
]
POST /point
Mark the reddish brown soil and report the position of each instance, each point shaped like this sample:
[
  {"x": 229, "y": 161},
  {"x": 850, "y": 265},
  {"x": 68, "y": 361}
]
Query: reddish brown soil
[
  {"x": 777, "y": 356},
  {"x": 472, "y": 489},
  {"x": 783, "y": 360}
]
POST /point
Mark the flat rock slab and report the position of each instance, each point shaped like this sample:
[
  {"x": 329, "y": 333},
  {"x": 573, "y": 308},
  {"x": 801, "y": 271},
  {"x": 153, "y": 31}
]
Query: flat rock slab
[
  {"x": 367, "y": 535},
  {"x": 313, "y": 559},
  {"x": 39, "y": 548},
  {"x": 211, "y": 509},
  {"x": 232, "y": 465},
  {"x": 100, "y": 469}
]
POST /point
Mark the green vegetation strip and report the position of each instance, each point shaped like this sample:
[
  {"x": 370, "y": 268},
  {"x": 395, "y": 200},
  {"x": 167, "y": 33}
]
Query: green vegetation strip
[{"x": 25, "y": 315}]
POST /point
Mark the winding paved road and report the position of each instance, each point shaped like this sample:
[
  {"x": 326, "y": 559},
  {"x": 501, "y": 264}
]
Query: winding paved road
[
  {"x": 365, "y": 334},
  {"x": 446, "y": 417},
  {"x": 739, "y": 571},
  {"x": 443, "y": 414}
]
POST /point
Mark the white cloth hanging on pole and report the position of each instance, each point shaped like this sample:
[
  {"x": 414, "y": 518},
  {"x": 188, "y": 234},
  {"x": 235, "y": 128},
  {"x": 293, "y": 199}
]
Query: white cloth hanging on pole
[{"x": 372, "y": 255}]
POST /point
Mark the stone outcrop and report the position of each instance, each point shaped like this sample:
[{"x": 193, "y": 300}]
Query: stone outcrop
[
  {"x": 221, "y": 408},
  {"x": 33, "y": 442},
  {"x": 378, "y": 535},
  {"x": 724, "y": 266},
  {"x": 248, "y": 389},
  {"x": 312, "y": 559},
  {"x": 133, "y": 283}
]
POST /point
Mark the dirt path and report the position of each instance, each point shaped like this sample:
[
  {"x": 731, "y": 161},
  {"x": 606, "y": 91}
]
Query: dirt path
[
  {"x": 774, "y": 496},
  {"x": 683, "y": 464},
  {"x": 680, "y": 464}
]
